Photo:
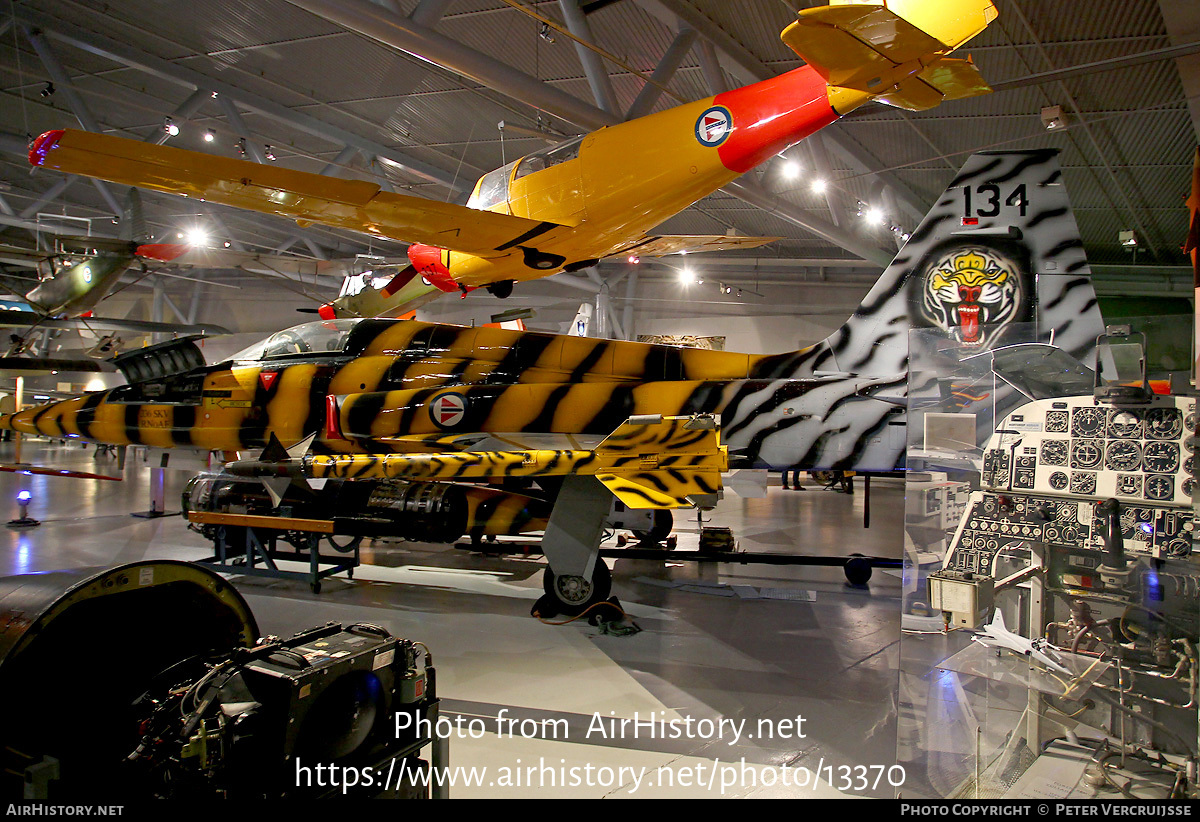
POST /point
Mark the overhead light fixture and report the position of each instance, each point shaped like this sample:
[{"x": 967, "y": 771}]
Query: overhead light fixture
[
  {"x": 240, "y": 145},
  {"x": 169, "y": 127},
  {"x": 1128, "y": 238},
  {"x": 1052, "y": 118},
  {"x": 209, "y": 136},
  {"x": 270, "y": 155},
  {"x": 48, "y": 91},
  {"x": 687, "y": 276},
  {"x": 818, "y": 186},
  {"x": 873, "y": 215},
  {"x": 633, "y": 259},
  {"x": 197, "y": 237},
  {"x": 544, "y": 33},
  {"x": 791, "y": 170}
]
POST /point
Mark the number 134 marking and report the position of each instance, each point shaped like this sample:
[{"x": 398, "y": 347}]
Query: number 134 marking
[{"x": 988, "y": 200}]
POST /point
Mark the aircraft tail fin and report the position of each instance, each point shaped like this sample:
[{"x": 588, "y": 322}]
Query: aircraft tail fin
[
  {"x": 1000, "y": 247},
  {"x": 998, "y": 259},
  {"x": 894, "y": 51}
]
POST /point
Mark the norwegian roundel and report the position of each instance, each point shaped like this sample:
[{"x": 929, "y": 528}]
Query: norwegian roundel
[
  {"x": 713, "y": 126},
  {"x": 448, "y": 410}
]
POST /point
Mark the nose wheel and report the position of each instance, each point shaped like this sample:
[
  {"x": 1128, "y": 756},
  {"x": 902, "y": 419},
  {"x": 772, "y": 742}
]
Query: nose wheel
[
  {"x": 502, "y": 289},
  {"x": 571, "y": 595}
]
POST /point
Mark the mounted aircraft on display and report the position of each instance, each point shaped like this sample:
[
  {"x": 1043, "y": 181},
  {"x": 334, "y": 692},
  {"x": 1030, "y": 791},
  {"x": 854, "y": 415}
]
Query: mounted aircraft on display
[
  {"x": 591, "y": 197},
  {"x": 439, "y": 431}
]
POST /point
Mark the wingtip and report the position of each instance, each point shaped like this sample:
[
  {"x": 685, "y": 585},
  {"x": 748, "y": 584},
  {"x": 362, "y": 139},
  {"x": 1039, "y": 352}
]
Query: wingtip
[{"x": 43, "y": 145}]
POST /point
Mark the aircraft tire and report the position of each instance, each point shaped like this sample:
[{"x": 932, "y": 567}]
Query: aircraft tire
[
  {"x": 501, "y": 290},
  {"x": 572, "y": 595},
  {"x": 857, "y": 569},
  {"x": 664, "y": 521}
]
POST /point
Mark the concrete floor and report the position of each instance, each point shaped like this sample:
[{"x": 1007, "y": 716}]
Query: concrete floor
[{"x": 808, "y": 646}]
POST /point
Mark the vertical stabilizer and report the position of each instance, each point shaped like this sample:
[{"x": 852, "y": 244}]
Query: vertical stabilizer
[{"x": 1000, "y": 247}]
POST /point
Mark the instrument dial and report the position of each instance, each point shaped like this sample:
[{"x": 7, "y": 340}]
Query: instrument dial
[
  {"x": 1160, "y": 457},
  {"x": 1087, "y": 421},
  {"x": 1129, "y": 485},
  {"x": 1057, "y": 422},
  {"x": 1086, "y": 453},
  {"x": 1083, "y": 482},
  {"x": 1054, "y": 452},
  {"x": 1164, "y": 424},
  {"x": 1159, "y": 487},
  {"x": 1058, "y": 481},
  {"x": 1123, "y": 455},
  {"x": 1124, "y": 424}
]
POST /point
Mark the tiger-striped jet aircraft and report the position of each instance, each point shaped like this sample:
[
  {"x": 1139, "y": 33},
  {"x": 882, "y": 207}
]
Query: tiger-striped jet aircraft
[
  {"x": 595, "y": 196},
  {"x": 415, "y": 423}
]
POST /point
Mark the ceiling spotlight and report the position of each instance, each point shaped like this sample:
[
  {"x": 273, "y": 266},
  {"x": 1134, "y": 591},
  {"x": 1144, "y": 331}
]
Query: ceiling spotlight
[
  {"x": 1052, "y": 118},
  {"x": 270, "y": 155},
  {"x": 687, "y": 276},
  {"x": 790, "y": 170},
  {"x": 209, "y": 136},
  {"x": 873, "y": 215},
  {"x": 818, "y": 186},
  {"x": 240, "y": 145},
  {"x": 544, "y": 33},
  {"x": 197, "y": 237},
  {"x": 169, "y": 127},
  {"x": 633, "y": 259},
  {"x": 48, "y": 91},
  {"x": 1128, "y": 238}
]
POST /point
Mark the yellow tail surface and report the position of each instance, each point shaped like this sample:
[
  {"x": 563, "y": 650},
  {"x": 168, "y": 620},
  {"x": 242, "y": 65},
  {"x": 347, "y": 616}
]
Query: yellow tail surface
[{"x": 893, "y": 50}]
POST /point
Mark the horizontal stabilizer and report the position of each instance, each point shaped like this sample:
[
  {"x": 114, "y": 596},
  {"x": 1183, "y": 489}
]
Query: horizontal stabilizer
[
  {"x": 860, "y": 45},
  {"x": 664, "y": 244},
  {"x": 944, "y": 79},
  {"x": 659, "y": 489}
]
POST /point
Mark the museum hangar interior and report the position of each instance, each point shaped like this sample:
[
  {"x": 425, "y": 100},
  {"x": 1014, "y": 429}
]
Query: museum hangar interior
[{"x": 784, "y": 667}]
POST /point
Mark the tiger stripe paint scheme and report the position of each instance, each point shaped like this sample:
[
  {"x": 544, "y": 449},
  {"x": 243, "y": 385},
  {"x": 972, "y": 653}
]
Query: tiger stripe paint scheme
[
  {"x": 656, "y": 463},
  {"x": 835, "y": 404}
]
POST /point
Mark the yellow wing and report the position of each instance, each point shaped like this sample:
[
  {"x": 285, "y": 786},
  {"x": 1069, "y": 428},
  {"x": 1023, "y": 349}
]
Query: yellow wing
[
  {"x": 662, "y": 245},
  {"x": 306, "y": 198}
]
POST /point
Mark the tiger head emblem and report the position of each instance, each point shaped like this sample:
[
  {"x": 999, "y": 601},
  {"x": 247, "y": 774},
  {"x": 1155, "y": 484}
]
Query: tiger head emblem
[{"x": 973, "y": 293}]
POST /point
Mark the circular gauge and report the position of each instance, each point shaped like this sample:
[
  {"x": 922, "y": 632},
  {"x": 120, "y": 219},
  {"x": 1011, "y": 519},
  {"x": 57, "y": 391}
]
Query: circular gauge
[
  {"x": 1087, "y": 421},
  {"x": 1189, "y": 485},
  {"x": 1122, "y": 455},
  {"x": 1159, "y": 487},
  {"x": 1054, "y": 452},
  {"x": 1124, "y": 424},
  {"x": 1163, "y": 423},
  {"x": 1058, "y": 481},
  {"x": 1190, "y": 422},
  {"x": 1083, "y": 482},
  {"x": 1189, "y": 443},
  {"x": 1085, "y": 454},
  {"x": 1161, "y": 457},
  {"x": 1057, "y": 422},
  {"x": 1189, "y": 465},
  {"x": 989, "y": 505}
]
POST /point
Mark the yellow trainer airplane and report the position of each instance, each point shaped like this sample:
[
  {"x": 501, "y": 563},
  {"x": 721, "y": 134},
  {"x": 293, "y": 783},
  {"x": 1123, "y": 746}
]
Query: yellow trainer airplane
[
  {"x": 595, "y": 196},
  {"x": 432, "y": 431}
]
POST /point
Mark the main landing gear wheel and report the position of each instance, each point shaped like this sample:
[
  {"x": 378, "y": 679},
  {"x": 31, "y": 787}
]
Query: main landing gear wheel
[
  {"x": 857, "y": 569},
  {"x": 502, "y": 289},
  {"x": 664, "y": 521},
  {"x": 571, "y": 595}
]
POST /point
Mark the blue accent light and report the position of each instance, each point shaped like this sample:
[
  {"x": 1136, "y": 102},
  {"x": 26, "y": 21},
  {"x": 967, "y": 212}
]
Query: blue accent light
[{"x": 24, "y": 496}]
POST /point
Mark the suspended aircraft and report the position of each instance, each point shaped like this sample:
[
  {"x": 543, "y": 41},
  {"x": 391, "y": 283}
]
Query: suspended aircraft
[
  {"x": 591, "y": 197},
  {"x": 444, "y": 430}
]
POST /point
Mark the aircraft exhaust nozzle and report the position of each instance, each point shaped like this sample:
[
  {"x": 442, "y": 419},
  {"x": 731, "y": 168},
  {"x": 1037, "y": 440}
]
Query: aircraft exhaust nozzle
[{"x": 892, "y": 51}]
